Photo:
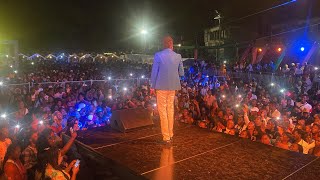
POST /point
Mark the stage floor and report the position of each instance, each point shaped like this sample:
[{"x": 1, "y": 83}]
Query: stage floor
[{"x": 199, "y": 154}]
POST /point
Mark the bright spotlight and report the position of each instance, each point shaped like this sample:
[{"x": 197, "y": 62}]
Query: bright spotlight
[
  {"x": 40, "y": 122},
  {"x": 237, "y": 105},
  {"x": 224, "y": 62},
  {"x": 154, "y": 105},
  {"x": 131, "y": 74},
  {"x": 1, "y": 83},
  {"x": 32, "y": 63},
  {"x": 142, "y": 76},
  {"x": 17, "y": 126},
  {"x": 143, "y": 31},
  {"x": 109, "y": 78},
  {"x": 207, "y": 76},
  {"x": 11, "y": 66},
  {"x": 7, "y": 56},
  {"x": 223, "y": 96},
  {"x": 110, "y": 97},
  {"x": 125, "y": 89},
  {"x": 3, "y": 115},
  {"x": 316, "y": 68},
  {"x": 15, "y": 71},
  {"x": 179, "y": 45},
  {"x": 272, "y": 84},
  {"x": 282, "y": 90},
  {"x": 302, "y": 49},
  {"x": 260, "y": 50},
  {"x": 240, "y": 96},
  {"x": 279, "y": 49}
]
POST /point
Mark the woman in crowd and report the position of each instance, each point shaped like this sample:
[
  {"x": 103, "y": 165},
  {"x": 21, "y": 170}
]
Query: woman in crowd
[
  {"x": 50, "y": 164},
  {"x": 13, "y": 167}
]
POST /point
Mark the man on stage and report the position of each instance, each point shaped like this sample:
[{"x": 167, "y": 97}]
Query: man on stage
[{"x": 166, "y": 69}]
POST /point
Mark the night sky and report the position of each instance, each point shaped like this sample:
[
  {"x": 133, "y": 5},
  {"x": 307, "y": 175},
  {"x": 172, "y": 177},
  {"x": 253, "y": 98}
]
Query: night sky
[{"x": 96, "y": 25}]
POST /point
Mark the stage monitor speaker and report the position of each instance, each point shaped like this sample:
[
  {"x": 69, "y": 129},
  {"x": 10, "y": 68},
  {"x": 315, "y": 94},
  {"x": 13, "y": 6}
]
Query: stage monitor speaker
[{"x": 129, "y": 119}]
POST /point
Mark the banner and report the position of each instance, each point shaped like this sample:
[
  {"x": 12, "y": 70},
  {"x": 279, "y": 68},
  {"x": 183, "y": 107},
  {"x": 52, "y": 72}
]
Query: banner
[
  {"x": 262, "y": 53},
  {"x": 245, "y": 54},
  {"x": 254, "y": 55}
]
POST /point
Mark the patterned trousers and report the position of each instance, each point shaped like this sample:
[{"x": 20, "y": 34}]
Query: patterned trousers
[{"x": 165, "y": 104}]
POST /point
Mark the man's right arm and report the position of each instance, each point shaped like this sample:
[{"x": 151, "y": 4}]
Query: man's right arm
[{"x": 155, "y": 70}]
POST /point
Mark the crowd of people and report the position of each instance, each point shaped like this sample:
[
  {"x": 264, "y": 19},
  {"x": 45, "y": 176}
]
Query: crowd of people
[
  {"x": 294, "y": 69},
  {"x": 33, "y": 145},
  {"x": 32, "y": 142},
  {"x": 284, "y": 117}
]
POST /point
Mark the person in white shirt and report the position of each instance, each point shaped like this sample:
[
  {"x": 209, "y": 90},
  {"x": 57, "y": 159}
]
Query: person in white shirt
[
  {"x": 209, "y": 99},
  {"x": 303, "y": 104},
  {"x": 274, "y": 111},
  {"x": 251, "y": 96},
  {"x": 298, "y": 133},
  {"x": 60, "y": 93}
]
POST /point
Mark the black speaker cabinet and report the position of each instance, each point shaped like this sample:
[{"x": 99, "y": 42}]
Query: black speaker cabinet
[{"x": 129, "y": 119}]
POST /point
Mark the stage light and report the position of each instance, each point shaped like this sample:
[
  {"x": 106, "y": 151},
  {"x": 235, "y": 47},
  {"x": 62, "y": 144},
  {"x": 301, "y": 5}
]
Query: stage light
[
  {"x": 272, "y": 84},
  {"x": 7, "y": 56},
  {"x": 223, "y": 96},
  {"x": 154, "y": 105},
  {"x": 37, "y": 56},
  {"x": 109, "y": 78},
  {"x": 1, "y": 83},
  {"x": 260, "y": 50},
  {"x": 237, "y": 105},
  {"x": 11, "y": 66},
  {"x": 316, "y": 68},
  {"x": 302, "y": 49},
  {"x": 40, "y": 122},
  {"x": 179, "y": 45},
  {"x": 207, "y": 76},
  {"x": 32, "y": 63},
  {"x": 125, "y": 89},
  {"x": 142, "y": 76},
  {"x": 277, "y": 118},
  {"x": 224, "y": 62},
  {"x": 131, "y": 74},
  {"x": 110, "y": 97},
  {"x": 100, "y": 57},
  {"x": 3, "y": 115},
  {"x": 279, "y": 49},
  {"x": 282, "y": 90},
  {"x": 240, "y": 96},
  {"x": 17, "y": 126},
  {"x": 143, "y": 31},
  {"x": 15, "y": 71}
]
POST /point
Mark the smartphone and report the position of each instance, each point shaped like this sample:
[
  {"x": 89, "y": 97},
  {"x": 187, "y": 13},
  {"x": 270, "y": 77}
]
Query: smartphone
[
  {"x": 77, "y": 163},
  {"x": 71, "y": 130}
]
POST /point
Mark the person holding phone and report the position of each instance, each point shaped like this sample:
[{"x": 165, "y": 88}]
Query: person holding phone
[{"x": 50, "y": 160}]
